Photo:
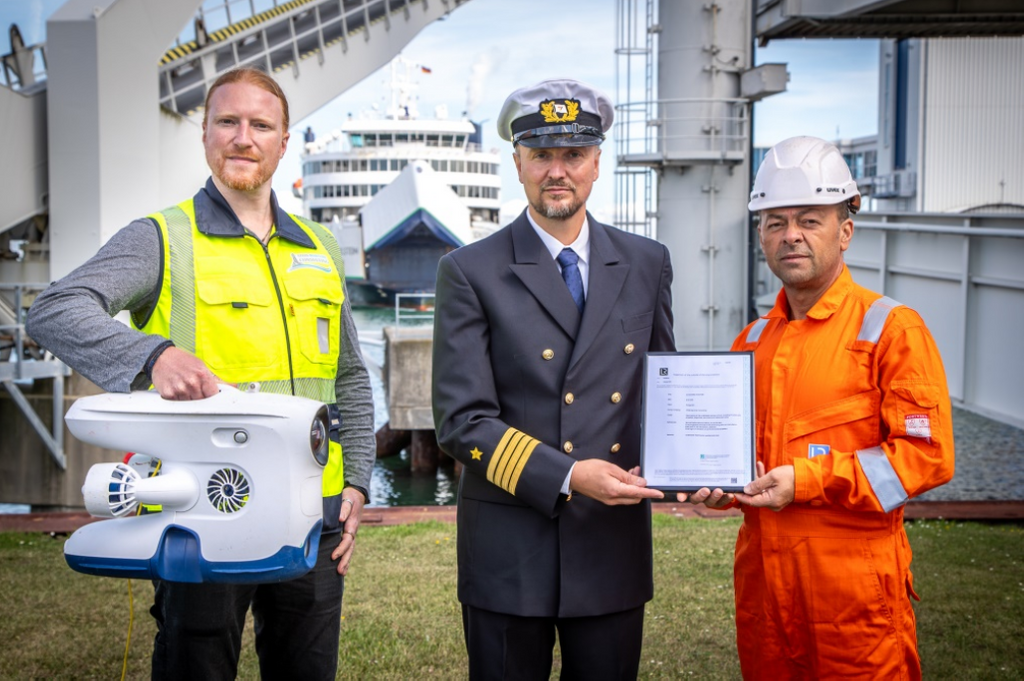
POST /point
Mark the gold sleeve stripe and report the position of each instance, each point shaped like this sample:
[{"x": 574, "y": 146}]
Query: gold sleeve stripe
[
  {"x": 518, "y": 470},
  {"x": 493, "y": 463},
  {"x": 509, "y": 459}
]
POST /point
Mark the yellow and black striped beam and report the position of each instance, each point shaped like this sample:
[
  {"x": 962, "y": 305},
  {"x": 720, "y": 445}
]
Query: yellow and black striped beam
[
  {"x": 224, "y": 33},
  {"x": 509, "y": 459}
]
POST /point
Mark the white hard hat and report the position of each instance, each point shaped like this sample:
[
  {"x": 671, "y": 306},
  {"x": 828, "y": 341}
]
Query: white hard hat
[{"x": 803, "y": 171}]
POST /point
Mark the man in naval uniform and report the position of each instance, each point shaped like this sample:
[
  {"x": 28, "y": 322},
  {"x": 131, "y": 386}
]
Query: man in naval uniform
[{"x": 539, "y": 338}]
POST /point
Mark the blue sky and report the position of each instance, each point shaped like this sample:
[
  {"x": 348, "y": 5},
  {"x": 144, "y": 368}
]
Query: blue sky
[{"x": 833, "y": 83}]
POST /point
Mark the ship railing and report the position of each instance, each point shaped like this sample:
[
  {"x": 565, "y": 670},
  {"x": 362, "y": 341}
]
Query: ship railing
[
  {"x": 24, "y": 66},
  {"x": 19, "y": 366},
  {"x": 413, "y": 308},
  {"x": 277, "y": 38}
]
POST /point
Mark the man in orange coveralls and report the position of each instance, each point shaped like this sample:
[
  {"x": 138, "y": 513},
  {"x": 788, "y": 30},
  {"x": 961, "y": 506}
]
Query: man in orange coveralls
[{"x": 853, "y": 419}]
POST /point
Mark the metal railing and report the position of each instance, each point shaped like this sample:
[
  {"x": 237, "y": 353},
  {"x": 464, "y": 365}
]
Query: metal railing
[
  {"x": 684, "y": 131},
  {"x": 419, "y": 313},
  {"x": 19, "y": 367},
  {"x": 422, "y": 312},
  {"x": 24, "y": 66},
  {"x": 274, "y": 39}
]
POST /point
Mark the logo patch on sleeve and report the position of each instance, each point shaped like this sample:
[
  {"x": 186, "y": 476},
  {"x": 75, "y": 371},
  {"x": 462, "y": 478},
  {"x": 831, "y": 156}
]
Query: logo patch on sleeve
[
  {"x": 918, "y": 425},
  {"x": 818, "y": 450},
  {"x": 310, "y": 261}
]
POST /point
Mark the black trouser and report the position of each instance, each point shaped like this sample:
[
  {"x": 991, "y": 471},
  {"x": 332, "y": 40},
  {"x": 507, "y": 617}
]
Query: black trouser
[
  {"x": 297, "y": 623},
  {"x": 593, "y": 648}
]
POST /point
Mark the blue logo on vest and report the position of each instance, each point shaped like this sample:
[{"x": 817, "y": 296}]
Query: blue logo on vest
[
  {"x": 817, "y": 450},
  {"x": 311, "y": 261}
]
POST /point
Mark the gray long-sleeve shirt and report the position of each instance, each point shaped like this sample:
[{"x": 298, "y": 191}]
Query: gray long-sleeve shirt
[{"x": 73, "y": 319}]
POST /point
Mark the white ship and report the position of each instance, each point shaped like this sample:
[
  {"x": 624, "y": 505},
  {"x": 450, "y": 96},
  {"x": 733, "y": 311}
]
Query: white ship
[{"x": 399, "y": 192}]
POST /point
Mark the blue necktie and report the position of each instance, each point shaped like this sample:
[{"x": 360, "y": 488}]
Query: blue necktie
[{"x": 571, "y": 274}]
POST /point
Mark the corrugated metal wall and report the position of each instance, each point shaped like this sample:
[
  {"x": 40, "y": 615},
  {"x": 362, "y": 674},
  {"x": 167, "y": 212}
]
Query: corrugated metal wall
[{"x": 972, "y": 87}]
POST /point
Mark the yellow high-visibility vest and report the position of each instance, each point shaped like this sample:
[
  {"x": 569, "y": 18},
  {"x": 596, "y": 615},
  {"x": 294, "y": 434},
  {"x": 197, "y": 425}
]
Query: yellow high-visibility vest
[{"x": 262, "y": 317}]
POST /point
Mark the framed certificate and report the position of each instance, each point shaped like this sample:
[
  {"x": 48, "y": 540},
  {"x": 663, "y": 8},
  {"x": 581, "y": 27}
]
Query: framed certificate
[{"x": 698, "y": 421}]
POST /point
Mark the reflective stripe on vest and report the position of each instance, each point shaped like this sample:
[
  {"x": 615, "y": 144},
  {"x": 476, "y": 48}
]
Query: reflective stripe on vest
[
  {"x": 881, "y": 475},
  {"x": 754, "y": 335},
  {"x": 885, "y": 483},
  {"x": 183, "y": 280},
  {"x": 309, "y": 368},
  {"x": 874, "y": 319}
]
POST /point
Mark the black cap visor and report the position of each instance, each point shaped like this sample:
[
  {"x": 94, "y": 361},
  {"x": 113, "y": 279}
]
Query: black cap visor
[{"x": 568, "y": 135}]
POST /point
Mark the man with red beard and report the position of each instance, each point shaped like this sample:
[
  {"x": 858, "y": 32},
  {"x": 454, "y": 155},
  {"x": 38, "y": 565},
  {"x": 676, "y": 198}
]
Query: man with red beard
[
  {"x": 228, "y": 288},
  {"x": 539, "y": 337}
]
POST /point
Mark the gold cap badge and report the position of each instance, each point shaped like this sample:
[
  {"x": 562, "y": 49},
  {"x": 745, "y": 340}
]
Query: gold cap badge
[{"x": 564, "y": 112}]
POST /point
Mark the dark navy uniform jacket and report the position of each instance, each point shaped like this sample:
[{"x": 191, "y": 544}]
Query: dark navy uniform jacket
[{"x": 523, "y": 386}]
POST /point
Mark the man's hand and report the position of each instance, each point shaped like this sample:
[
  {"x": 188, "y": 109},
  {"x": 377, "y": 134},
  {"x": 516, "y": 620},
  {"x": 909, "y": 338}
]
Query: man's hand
[
  {"x": 351, "y": 512},
  {"x": 610, "y": 484},
  {"x": 715, "y": 498},
  {"x": 774, "y": 490},
  {"x": 179, "y": 375}
]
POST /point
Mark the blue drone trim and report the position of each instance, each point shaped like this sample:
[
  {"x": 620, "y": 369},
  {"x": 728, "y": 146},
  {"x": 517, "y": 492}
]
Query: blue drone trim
[{"x": 178, "y": 558}]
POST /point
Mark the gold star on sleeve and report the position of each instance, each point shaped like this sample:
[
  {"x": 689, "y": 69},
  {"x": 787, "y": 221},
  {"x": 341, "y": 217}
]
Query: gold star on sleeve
[{"x": 476, "y": 453}]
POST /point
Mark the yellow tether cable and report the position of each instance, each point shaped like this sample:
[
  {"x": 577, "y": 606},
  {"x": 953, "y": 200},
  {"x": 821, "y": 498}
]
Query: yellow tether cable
[{"x": 131, "y": 622}]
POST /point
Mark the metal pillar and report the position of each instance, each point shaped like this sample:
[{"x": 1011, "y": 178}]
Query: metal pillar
[{"x": 701, "y": 126}]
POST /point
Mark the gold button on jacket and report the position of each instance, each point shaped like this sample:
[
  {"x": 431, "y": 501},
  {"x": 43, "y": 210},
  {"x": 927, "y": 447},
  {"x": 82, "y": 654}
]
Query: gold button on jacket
[
  {"x": 567, "y": 447},
  {"x": 569, "y": 398},
  {"x": 616, "y": 397}
]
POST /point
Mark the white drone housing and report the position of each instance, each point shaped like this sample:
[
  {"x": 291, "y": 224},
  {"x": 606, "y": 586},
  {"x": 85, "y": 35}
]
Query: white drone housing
[{"x": 239, "y": 486}]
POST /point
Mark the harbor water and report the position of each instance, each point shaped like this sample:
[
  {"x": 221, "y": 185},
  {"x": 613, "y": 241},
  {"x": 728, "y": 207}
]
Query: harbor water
[{"x": 392, "y": 483}]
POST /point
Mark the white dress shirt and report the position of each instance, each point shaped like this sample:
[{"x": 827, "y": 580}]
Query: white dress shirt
[
  {"x": 581, "y": 246},
  {"x": 582, "y": 249}
]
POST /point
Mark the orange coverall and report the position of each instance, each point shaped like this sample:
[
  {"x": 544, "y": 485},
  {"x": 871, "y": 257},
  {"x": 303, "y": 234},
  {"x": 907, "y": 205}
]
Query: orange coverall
[{"x": 862, "y": 412}]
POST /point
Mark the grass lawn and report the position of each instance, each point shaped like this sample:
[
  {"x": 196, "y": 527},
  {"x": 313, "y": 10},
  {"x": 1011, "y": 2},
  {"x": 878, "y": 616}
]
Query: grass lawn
[{"x": 402, "y": 621}]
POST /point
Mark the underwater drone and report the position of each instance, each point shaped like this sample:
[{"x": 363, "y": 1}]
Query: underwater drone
[{"x": 236, "y": 497}]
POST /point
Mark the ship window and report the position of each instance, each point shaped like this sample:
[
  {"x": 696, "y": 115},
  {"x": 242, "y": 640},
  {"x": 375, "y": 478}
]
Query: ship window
[
  {"x": 443, "y": 165},
  {"x": 405, "y": 162},
  {"x": 362, "y": 164},
  {"x": 394, "y": 164},
  {"x": 371, "y": 141},
  {"x": 373, "y": 164},
  {"x": 434, "y": 164},
  {"x": 459, "y": 139},
  {"x": 431, "y": 140},
  {"x": 384, "y": 140},
  {"x": 473, "y": 166},
  {"x": 455, "y": 188},
  {"x": 356, "y": 140},
  {"x": 402, "y": 137}
]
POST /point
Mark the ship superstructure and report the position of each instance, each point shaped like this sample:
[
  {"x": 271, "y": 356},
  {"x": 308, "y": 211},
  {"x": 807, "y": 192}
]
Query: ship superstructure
[
  {"x": 343, "y": 170},
  {"x": 399, "y": 192}
]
